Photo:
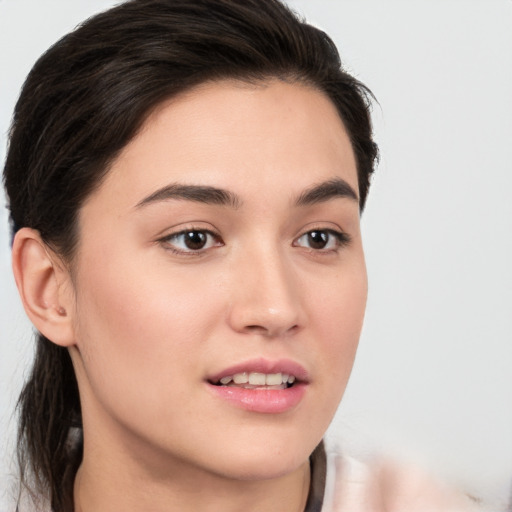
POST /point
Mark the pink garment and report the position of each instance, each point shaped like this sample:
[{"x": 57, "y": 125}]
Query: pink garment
[{"x": 352, "y": 486}]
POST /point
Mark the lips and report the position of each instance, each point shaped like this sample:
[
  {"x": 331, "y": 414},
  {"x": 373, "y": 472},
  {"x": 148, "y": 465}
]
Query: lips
[
  {"x": 262, "y": 366},
  {"x": 250, "y": 380},
  {"x": 261, "y": 386}
]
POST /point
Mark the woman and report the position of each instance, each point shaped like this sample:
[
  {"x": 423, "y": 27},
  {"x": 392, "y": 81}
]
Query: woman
[{"x": 185, "y": 181}]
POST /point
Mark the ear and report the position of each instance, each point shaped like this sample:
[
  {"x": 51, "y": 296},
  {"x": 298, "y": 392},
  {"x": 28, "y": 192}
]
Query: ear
[{"x": 45, "y": 287}]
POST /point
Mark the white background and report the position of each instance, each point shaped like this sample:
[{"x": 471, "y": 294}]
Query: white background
[{"x": 433, "y": 377}]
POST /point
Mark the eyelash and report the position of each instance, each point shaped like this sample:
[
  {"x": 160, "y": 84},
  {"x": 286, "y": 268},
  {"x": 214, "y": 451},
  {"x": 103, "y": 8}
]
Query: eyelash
[
  {"x": 167, "y": 241},
  {"x": 341, "y": 239}
]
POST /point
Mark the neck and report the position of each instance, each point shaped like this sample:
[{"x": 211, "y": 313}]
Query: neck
[{"x": 98, "y": 489}]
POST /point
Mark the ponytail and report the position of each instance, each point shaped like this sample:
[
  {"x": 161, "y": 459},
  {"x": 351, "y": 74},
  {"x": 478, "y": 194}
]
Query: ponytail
[{"x": 50, "y": 426}]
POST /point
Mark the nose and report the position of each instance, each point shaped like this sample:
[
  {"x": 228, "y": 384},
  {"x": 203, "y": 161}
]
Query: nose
[{"x": 266, "y": 297}]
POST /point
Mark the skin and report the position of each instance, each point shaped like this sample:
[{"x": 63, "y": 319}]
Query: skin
[{"x": 147, "y": 320}]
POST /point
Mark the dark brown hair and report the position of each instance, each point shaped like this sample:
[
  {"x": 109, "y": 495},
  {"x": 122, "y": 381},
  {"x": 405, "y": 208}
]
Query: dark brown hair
[{"x": 85, "y": 99}]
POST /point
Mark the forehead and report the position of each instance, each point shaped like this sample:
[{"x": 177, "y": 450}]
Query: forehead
[{"x": 238, "y": 136}]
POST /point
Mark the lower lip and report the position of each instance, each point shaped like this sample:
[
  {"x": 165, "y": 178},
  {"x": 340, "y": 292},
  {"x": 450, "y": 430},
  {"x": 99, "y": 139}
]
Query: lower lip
[{"x": 269, "y": 401}]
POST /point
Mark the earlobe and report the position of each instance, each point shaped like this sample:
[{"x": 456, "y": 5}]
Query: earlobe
[{"x": 44, "y": 286}]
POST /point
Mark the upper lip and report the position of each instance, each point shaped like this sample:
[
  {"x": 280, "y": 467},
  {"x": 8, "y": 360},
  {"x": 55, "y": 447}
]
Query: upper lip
[{"x": 262, "y": 365}]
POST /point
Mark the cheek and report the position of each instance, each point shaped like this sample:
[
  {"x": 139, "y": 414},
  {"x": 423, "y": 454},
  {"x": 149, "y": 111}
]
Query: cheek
[
  {"x": 140, "y": 324},
  {"x": 340, "y": 313},
  {"x": 342, "y": 303}
]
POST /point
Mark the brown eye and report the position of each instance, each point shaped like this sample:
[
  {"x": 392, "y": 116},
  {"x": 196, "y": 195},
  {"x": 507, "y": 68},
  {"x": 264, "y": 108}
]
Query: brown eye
[
  {"x": 195, "y": 240},
  {"x": 317, "y": 239},
  {"x": 322, "y": 239},
  {"x": 191, "y": 241}
]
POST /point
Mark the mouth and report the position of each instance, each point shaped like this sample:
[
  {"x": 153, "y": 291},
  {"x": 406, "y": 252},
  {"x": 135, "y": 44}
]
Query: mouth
[
  {"x": 257, "y": 380},
  {"x": 261, "y": 386}
]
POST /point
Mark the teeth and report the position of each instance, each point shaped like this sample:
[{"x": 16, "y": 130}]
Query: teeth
[
  {"x": 241, "y": 378},
  {"x": 274, "y": 379},
  {"x": 258, "y": 379}
]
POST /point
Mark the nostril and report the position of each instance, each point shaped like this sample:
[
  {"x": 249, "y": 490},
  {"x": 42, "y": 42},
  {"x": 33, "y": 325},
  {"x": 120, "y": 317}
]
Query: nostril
[
  {"x": 270, "y": 331},
  {"x": 256, "y": 329}
]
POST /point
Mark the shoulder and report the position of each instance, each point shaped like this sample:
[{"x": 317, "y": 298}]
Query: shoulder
[{"x": 387, "y": 487}]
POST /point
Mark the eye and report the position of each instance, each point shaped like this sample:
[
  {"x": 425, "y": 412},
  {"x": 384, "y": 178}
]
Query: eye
[
  {"x": 322, "y": 239},
  {"x": 191, "y": 241}
]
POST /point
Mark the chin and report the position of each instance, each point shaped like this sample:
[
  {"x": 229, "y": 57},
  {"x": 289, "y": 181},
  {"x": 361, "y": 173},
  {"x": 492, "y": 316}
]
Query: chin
[
  {"x": 251, "y": 470},
  {"x": 265, "y": 459}
]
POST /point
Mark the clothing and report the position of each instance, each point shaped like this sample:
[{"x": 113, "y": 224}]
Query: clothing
[
  {"x": 317, "y": 485},
  {"x": 343, "y": 484}
]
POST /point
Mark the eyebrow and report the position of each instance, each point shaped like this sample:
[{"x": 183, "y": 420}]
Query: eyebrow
[
  {"x": 325, "y": 191},
  {"x": 198, "y": 193},
  {"x": 320, "y": 193}
]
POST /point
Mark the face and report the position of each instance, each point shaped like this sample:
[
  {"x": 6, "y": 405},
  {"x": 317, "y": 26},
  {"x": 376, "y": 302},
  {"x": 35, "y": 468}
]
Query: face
[{"x": 220, "y": 282}]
